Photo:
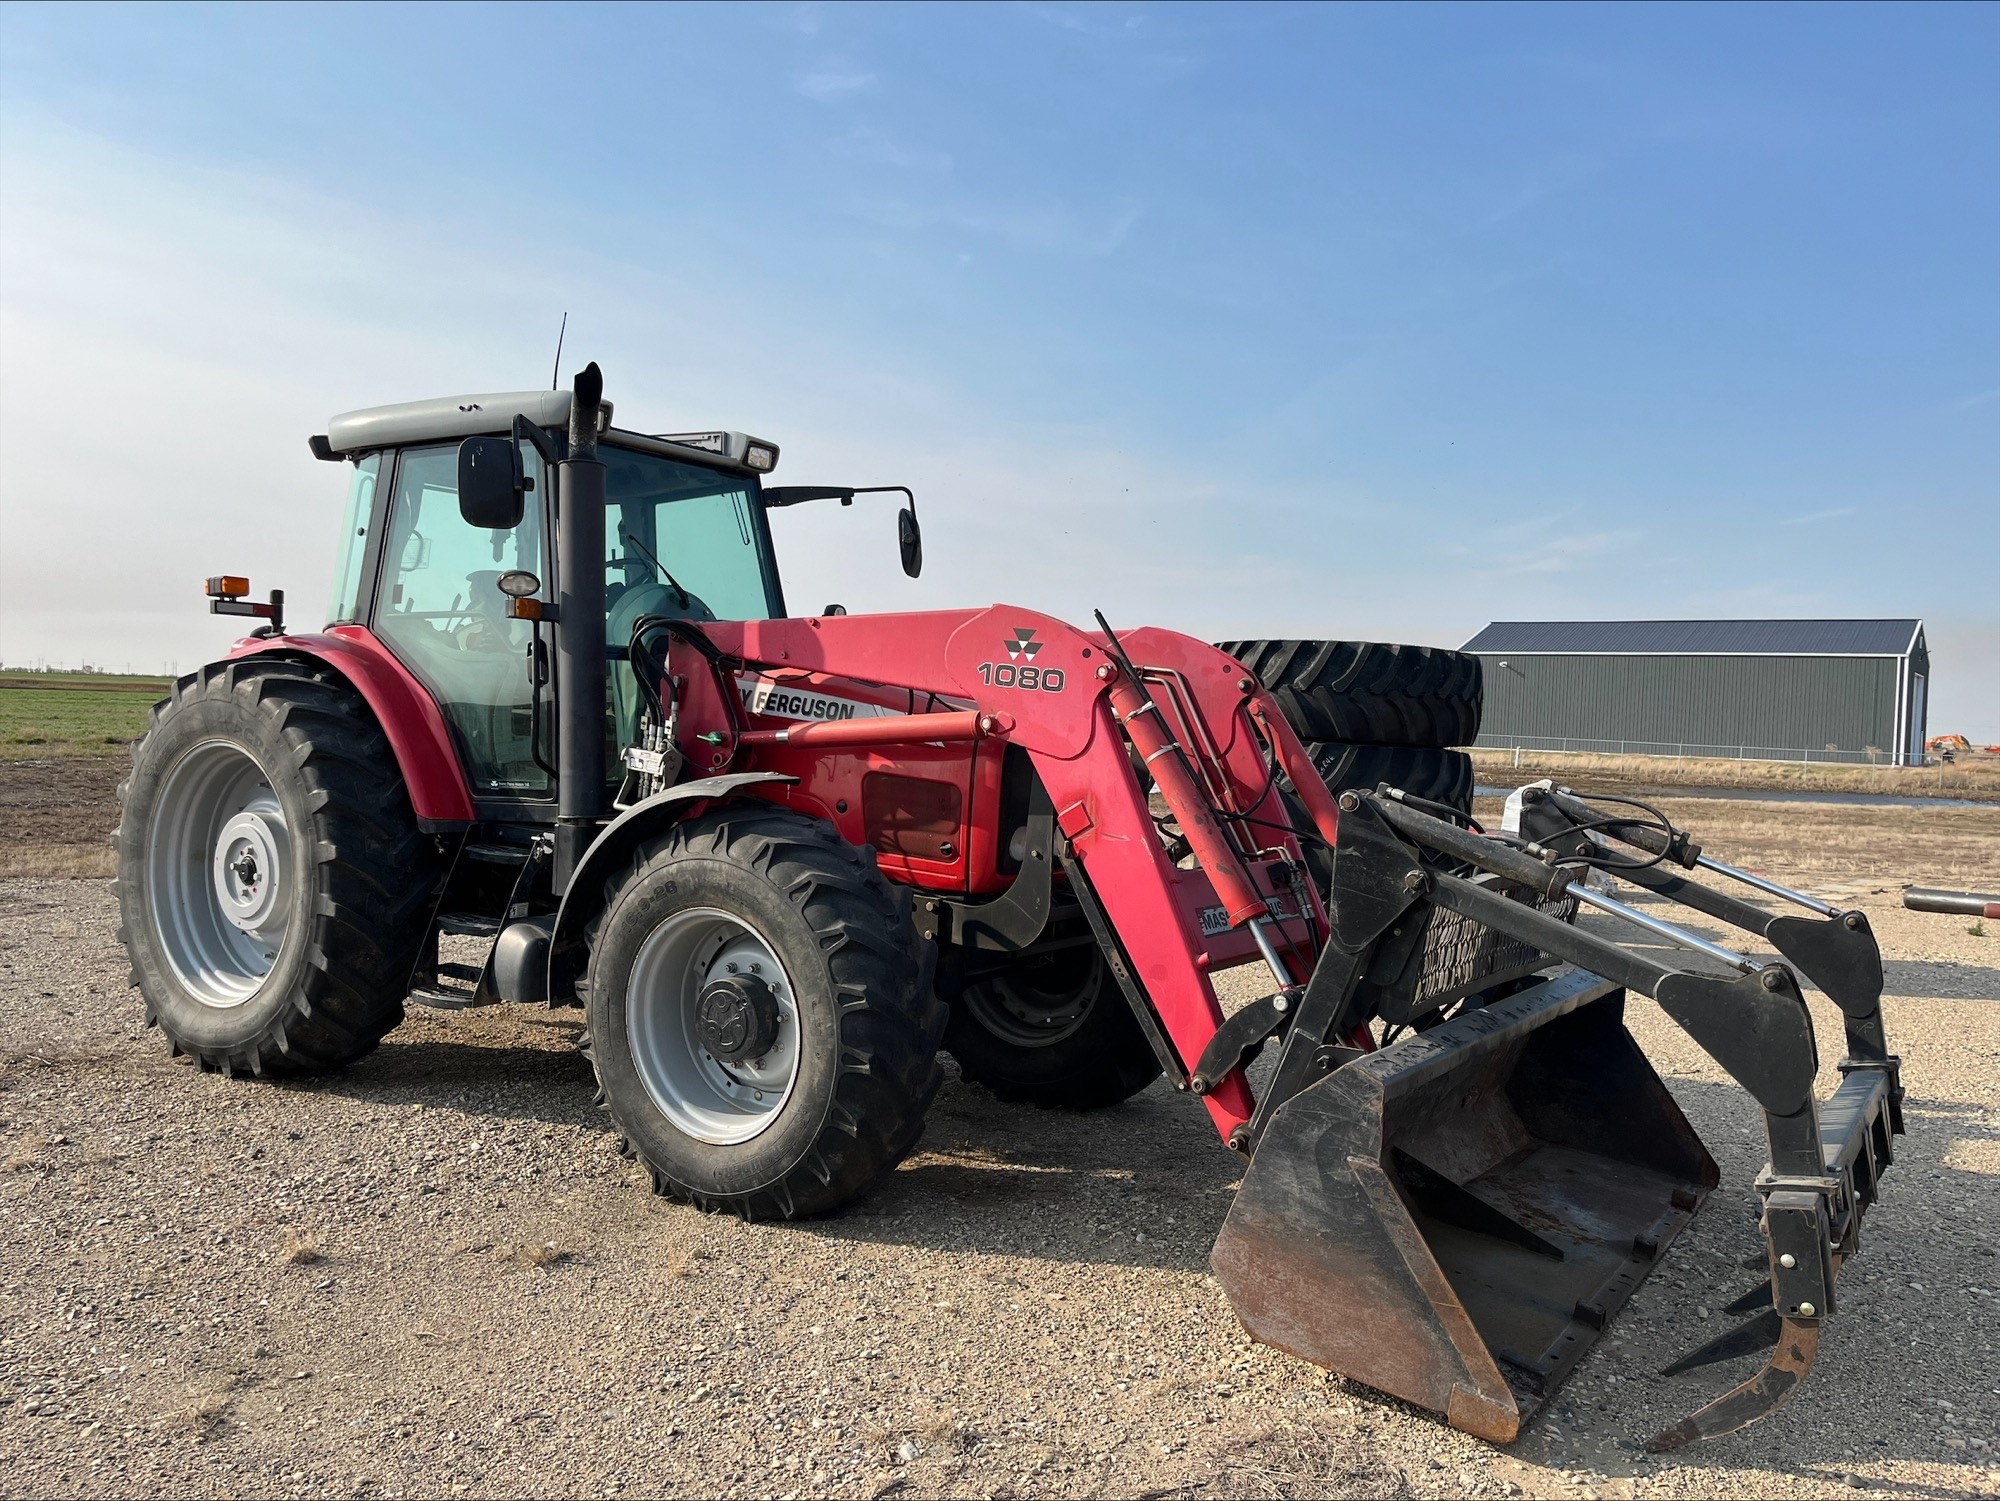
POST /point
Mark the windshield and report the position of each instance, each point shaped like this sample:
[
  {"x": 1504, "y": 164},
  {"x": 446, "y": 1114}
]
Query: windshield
[{"x": 680, "y": 539}]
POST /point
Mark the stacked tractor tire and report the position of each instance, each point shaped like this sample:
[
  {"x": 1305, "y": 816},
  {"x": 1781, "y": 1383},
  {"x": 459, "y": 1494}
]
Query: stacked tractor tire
[{"x": 1371, "y": 713}]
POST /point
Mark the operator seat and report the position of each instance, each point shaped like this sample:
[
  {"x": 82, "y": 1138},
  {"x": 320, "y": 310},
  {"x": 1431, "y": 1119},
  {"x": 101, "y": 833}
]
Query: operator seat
[{"x": 635, "y": 603}]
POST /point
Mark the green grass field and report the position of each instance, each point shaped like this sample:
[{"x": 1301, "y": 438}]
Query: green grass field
[{"x": 72, "y": 713}]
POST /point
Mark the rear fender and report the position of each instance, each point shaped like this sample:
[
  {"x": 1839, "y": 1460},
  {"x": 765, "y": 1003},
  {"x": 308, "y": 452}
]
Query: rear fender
[
  {"x": 425, "y": 752},
  {"x": 584, "y": 895}
]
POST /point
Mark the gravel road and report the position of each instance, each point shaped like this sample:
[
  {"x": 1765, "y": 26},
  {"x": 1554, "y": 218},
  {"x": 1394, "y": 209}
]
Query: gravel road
[{"x": 430, "y": 1275}]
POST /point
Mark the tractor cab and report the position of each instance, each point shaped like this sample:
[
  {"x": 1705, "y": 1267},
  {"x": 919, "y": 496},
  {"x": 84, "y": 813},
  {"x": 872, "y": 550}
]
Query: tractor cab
[{"x": 685, "y": 537}]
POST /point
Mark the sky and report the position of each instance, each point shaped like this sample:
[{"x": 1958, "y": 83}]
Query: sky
[{"x": 1377, "y": 323}]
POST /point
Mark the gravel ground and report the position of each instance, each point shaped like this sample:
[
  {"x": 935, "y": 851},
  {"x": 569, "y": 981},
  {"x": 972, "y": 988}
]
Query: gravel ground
[{"x": 430, "y": 1275}]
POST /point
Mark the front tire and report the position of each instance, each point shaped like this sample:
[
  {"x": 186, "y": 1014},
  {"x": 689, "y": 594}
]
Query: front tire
[
  {"x": 273, "y": 886},
  {"x": 759, "y": 1016}
]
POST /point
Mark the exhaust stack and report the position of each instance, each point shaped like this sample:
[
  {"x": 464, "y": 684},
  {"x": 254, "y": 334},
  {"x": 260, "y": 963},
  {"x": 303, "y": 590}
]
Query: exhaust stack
[{"x": 580, "y": 791}]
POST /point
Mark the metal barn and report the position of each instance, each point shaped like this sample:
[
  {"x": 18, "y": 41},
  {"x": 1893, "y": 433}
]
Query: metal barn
[{"x": 1793, "y": 690}]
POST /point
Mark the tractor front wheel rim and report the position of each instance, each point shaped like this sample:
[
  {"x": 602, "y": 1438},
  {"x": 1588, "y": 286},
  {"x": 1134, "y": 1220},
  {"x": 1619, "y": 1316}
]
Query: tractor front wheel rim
[
  {"x": 220, "y": 874},
  {"x": 1040, "y": 1001},
  {"x": 723, "y": 1102}
]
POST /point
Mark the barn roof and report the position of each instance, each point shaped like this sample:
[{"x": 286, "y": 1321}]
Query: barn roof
[{"x": 1763, "y": 638}]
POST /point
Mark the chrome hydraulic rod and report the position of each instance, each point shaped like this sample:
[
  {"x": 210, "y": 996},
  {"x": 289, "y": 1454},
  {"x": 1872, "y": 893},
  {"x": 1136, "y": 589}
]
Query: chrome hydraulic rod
[
  {"x": 1811, "y": 904},
  {"x": 1270, "y": 953},
  {"x": 1661, "y": 929}
]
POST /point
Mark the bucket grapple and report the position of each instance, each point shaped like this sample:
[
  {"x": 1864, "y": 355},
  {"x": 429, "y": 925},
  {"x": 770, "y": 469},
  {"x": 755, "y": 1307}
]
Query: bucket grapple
[{"x": 1456, "y": 1216}]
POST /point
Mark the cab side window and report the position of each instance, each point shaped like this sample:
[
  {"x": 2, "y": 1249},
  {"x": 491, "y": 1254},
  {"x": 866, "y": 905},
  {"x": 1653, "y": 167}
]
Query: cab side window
[
  {"x": 440, "y": 609},
  {"x": 344, "y": 603}
]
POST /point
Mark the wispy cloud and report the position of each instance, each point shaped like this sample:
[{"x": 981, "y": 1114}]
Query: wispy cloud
[
  {"x": 1976, "y": 399},
  {"x": 808, "y": 19},
  {"x": 1564, "y": 554},
  {"x": 1088, "y": 20},
  {"x": 878, "y": 148},
  {"x": 1545, "y": 180},
  {"x": 1041, "y": 229},
  {"x": 1813, "y": 516},
  {"x": 834, "y": 79},
  {"x": 1136, "y": 43},
  {"x": 1548, "y": 543}
]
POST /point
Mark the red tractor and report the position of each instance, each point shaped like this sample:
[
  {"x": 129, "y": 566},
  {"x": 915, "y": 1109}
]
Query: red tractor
[{"x": 561, "y": 713}]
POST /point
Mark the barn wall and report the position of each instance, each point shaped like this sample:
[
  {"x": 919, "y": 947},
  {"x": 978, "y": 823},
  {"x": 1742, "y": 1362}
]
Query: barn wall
[{"x": 1802, "y": 703}]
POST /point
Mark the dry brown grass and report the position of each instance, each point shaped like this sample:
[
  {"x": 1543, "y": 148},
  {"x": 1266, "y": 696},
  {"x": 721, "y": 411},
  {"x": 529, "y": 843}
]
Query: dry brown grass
[
  {"x": 301, "y": 1249},
  {"x": 1812, "y": 842},
  {"x": 206, "y": 1413},
  {"x": 1313, "y": 1459},
  {"x": 26, "y": 1156},
  {"x": 536, "y": 1253},
  {"x": 1976, "y": 777},
  {"x": 61, "y": 862}
]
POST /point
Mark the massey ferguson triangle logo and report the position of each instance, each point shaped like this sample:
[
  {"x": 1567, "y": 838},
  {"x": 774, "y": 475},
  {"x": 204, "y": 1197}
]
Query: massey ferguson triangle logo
[{"x": 1022, "y": 644}]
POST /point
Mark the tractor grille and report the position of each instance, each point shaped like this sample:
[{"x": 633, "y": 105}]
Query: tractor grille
[{"x": 1462, "y": 955}]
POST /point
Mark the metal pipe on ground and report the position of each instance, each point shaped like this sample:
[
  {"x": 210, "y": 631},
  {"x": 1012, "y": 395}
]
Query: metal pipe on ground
[{"x": 1963, "y": 903}]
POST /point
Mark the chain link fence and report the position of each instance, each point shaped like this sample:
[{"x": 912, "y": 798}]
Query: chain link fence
[{"x": 1867, "y": 756}]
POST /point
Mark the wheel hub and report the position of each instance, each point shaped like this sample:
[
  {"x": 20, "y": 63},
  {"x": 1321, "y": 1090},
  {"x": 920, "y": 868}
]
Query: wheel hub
[
  {"x": 713, "y": 1022},
  {"x": 736, "y": 1018},
  {"x": 219, "y": 886},
  {"x": 249, "y": 872}
]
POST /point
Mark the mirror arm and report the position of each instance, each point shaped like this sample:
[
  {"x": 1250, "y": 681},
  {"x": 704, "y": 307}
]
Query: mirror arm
[
  {"x": 776, "y": 496},
  {"x": 527, "y": 432},
  {"x": 902, "y": 490}
]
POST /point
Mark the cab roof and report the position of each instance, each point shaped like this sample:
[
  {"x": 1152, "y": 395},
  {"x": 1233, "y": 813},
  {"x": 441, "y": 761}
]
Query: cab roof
[{"x": 445, "y": 417}]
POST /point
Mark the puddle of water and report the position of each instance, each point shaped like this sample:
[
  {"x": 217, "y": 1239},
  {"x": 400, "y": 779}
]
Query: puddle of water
[{"x": 1784, "y": 795}]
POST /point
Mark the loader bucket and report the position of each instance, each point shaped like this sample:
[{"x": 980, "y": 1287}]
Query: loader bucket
[{"x": 1455, "y": 1218}]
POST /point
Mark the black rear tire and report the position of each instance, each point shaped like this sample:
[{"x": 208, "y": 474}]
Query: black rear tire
[
  {"x": 1369, "y": 693},
  {"x": 866, "y": 1023},
  {"x": 353, "y": 884},
  {"x": 1052, "y": 1030}
]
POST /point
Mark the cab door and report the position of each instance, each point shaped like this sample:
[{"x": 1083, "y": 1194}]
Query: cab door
[{"x": 438, "y": 607}]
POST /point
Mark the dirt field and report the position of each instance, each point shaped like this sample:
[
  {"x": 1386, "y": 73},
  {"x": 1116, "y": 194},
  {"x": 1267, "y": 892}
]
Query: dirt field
[{"x": 431, "y": 1276}]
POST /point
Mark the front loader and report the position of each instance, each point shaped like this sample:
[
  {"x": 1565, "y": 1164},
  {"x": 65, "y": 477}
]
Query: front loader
[{"x": 564, "y": 744}]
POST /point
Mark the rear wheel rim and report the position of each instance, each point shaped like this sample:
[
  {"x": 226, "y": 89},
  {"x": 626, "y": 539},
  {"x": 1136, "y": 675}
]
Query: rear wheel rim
[
  {"x": 701, "y": 1096},
  {"x": 220, "y": 882},
  {"x": 1040, "y": 1001}
]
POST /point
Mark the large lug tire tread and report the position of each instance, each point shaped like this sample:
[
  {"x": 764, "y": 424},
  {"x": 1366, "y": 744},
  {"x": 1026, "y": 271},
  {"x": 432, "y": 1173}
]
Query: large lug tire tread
[
  {"x": 366, "y": 874},
  {"x": 1442, "y": 776},
  {"x": 1367, "y": 692},
  {"x": 876, "y": 969},
  {"x": 1103, "y": 1063}
]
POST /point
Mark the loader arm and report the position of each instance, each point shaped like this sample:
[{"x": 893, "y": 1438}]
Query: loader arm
[{"x": 1080, "y": 704}]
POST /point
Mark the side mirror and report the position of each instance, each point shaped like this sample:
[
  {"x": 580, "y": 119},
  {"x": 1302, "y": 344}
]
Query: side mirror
[
  {"x": 491, "y": 483},
  {"x": 910, "y": 539}
]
